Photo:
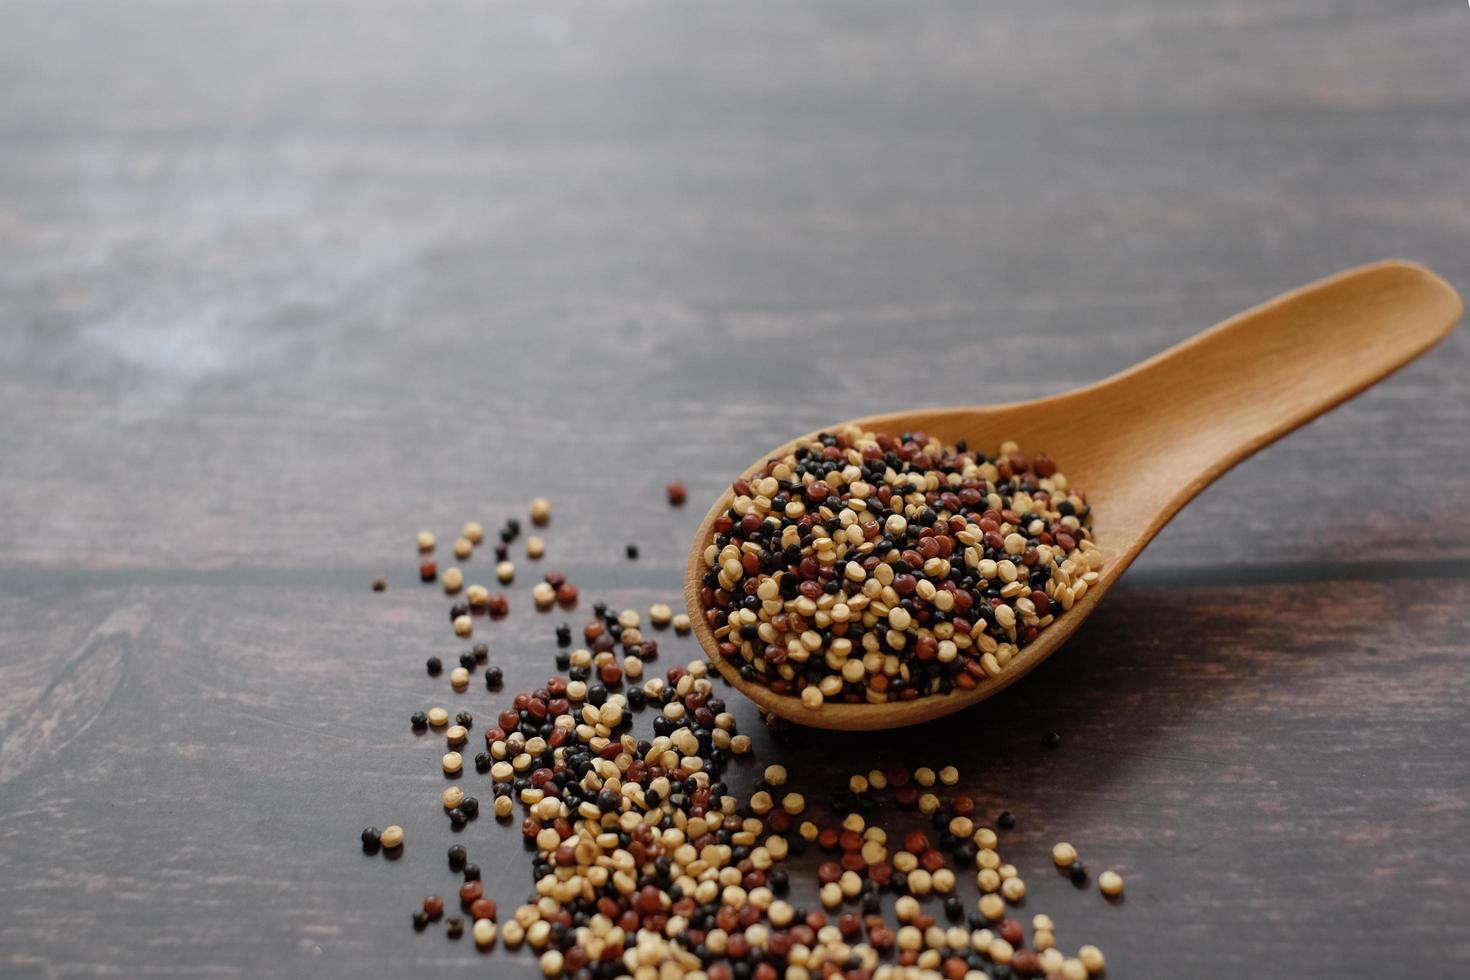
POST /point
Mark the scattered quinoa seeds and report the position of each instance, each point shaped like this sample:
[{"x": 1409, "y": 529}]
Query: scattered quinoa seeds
[
  {"x": 865, "y": 568},
  {"x": 644, "y": 858}
]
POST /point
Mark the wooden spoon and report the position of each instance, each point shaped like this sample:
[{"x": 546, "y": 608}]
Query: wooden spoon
[{"x": 1142, "y": 443}]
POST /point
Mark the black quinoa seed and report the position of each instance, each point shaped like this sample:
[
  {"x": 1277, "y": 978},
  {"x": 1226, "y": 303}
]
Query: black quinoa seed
[
  {"x": 435, "y": 666},
  {"x": 372, "y": 838},
  {"x": 1006, "y": 820},
  {"x": 420, "y": 920},
  {"x": 457, "y": 857},
  {"x": 632, "y": 551},
  {"x": 419, "y": 721},
  {"x": 1051, "y": 740},
  {"x": 454, "y": 928},
  {"x": 494, "y": 678}
]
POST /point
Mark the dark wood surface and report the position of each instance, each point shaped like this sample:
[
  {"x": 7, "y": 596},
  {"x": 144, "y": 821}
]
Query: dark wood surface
[{"x": 282, "y": 283}]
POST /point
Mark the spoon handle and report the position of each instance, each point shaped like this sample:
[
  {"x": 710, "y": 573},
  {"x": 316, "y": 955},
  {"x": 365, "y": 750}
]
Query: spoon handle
[{"x": 1197, "y": 409}]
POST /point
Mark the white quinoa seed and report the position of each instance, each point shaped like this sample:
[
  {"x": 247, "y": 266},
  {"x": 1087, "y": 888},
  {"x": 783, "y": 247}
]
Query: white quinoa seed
[
  {"x": 463, "y": 548},
  {"x": 1110, "y": 883},
  {"x": 426, "y": 541},
  {"x": 1092, "y": 958},
  {"x": 392, "y": 836},
  {"x": 505, "y": 571},
  {"x": 535, "y": 547},
  {"x": 474, "y": 532},
  {"x": 540, "y": 510},
  {"x": 451, "y": 578},
  {"x": 1063, "y": 854}
]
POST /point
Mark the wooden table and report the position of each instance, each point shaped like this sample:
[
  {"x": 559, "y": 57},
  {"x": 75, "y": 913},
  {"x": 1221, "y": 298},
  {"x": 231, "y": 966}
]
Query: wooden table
[{"x": 282, "y": 284}]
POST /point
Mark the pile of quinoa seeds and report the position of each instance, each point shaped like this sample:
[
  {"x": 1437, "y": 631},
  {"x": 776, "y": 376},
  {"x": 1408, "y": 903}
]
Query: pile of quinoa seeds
[
  {"x": 866, "y": 568},
  {"x": 643, "y": 859}
]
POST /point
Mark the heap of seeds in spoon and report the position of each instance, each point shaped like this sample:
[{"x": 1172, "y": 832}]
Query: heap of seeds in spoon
[{"x": 866, "y": 568}]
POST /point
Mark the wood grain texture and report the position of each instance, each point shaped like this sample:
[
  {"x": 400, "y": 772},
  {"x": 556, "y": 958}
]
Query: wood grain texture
[{"x": 282, "y": 283}]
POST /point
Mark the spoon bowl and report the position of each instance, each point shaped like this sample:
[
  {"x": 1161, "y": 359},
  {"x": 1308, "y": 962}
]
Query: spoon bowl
[{"x": 1144, "y": 442}]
